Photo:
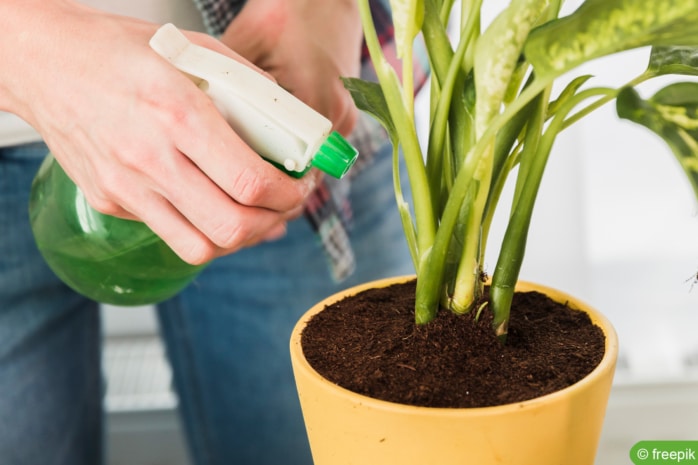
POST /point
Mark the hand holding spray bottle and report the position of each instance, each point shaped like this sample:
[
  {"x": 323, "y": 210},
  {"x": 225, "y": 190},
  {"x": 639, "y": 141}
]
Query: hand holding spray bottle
[{"x": 122, "y": 262}]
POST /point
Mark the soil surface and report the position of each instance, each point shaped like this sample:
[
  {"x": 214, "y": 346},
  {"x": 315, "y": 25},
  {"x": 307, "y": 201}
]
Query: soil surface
[{"x": 369, "y": 344}]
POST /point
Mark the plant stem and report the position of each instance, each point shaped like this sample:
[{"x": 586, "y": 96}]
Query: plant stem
[
  {"x": 608, "y": 97},
  {"x": 468, "y": 283},
  {"x": 506, "y": 157},
  {"x": 427, "y": 295},
  {"x": 403, "y": 119},
  {"x": 437, "y": 42},
  {"x": 444, "y": 110},
  {"x": 514, "y": 243},
  {"x": 530, "y": 154},
  {"x": 404, "y": 210}
]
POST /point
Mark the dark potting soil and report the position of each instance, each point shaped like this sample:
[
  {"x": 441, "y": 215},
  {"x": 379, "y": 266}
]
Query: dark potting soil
[{"x": 370, "y": 344}]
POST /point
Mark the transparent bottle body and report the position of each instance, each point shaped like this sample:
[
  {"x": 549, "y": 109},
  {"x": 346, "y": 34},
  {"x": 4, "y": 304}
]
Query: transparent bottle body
[{"x": 107, "y": 259}]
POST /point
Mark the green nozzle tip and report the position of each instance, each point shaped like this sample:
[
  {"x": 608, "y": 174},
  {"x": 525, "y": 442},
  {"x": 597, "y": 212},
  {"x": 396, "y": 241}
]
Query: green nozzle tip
[{"x": 335, "y": 156}]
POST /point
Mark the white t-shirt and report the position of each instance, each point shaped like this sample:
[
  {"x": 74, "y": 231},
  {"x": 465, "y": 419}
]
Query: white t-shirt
[{"x": 182, "y": 13}]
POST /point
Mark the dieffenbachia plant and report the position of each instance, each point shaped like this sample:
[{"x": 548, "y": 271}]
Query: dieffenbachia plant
[{"x": 492, "y": 109}]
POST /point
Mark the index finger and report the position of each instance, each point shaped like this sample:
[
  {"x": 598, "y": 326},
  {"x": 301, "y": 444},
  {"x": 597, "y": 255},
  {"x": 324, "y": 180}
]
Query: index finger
[{"x": 250, "y": 103}]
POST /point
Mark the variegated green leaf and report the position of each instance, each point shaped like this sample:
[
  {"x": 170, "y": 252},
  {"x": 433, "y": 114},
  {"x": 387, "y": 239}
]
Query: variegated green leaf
[
  {"x": 672, "y": 113},
  {"x": 497, "y": 53},
  {"x": 674, "y": 60},
  {"x": 407, "y": 21},
  {"x": 602, "y": 27}
]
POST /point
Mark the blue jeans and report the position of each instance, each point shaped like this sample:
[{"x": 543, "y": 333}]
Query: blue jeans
[{"x": 226, "y": 335}]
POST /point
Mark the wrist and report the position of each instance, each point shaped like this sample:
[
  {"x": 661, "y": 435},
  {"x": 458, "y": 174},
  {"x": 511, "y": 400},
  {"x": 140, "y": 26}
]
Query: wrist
[{"x": 30, "y": 31}]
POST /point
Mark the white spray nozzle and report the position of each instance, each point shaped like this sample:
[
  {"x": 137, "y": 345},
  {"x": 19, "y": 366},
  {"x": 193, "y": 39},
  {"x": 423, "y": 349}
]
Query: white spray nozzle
[{"x": 272, "y": 121}]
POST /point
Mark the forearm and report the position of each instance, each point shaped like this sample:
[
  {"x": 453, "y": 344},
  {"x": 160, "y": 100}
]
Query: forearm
[
  {"x": 54, "y": 51},
  {"x": 136, "y": 135},
  {"x": 23, "y": 50}
]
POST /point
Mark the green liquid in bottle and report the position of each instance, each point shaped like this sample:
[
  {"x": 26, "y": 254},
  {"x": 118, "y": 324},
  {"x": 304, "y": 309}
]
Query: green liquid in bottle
[{"x": 107, "y": 259}]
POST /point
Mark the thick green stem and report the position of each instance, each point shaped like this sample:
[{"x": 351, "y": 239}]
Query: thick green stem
[
  {"x": 468, "y": 283},
  {"x": 437, "y": 42},
  {"x": 529, "y": 156},
  {"x": 407, "y": 59},
  {"x": 403, "y": 119},
  {"x": 505, "y": 158},
  {"x": 533, "y": 161},
  {"x": 451, "y": 82},
  {"x": 496, "y": 190},
  {"x": 433, "y": 268},
  {"x": 514, "y": 243},
  {"x": 404, "y": 210},
  {"x": 429, "y": 288}
]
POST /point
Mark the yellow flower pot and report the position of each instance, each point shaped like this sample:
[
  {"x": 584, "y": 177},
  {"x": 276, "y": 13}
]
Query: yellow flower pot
[{"x": 562, "y": 428}]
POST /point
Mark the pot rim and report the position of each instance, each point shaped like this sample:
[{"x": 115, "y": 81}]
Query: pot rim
[{"x": 607, "y": 363}]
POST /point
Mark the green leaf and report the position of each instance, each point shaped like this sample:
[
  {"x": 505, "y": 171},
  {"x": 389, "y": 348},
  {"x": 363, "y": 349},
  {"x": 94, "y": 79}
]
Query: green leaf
[
  {"x": 674, "y": 60},
  {"x": 602, "y": 27},
  {"x": 368, "y": 97},
  {"x": 497, "y": 54},
  {"x": 407, "y": 21},
  {"x": 672, "y": 113}
]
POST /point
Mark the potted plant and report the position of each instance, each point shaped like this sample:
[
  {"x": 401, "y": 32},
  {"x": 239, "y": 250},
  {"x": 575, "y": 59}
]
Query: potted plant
[{"x": 499, "y": 98}]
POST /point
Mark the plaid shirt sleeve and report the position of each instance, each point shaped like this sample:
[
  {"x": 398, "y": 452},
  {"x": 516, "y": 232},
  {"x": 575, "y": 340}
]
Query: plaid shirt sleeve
[
  {"x": 328, "y": 209},
  {"x": 217, "y": 14}
]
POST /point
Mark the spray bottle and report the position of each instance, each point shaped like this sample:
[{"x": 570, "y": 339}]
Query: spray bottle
[{"x": 123, "y": 262}]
